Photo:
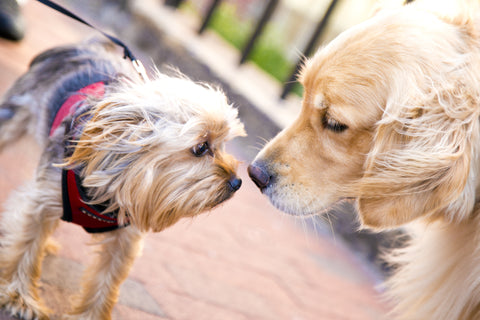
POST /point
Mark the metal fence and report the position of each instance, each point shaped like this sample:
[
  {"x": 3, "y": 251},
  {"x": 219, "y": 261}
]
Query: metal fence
[{"x": 259, "y": 28}]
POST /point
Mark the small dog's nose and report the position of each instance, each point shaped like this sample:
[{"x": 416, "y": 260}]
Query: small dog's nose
[
  {"x": 235, "y": 183},
  {"x": 6, "y": 114},
  {"x": 259, "y": 176}
]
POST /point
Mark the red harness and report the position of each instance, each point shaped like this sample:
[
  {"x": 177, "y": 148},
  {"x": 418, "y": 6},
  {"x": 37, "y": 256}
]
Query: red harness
[{"x": 75, "y": 207}]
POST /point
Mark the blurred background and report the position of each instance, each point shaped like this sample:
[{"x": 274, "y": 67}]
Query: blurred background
[{"x": 275, "y": 34}]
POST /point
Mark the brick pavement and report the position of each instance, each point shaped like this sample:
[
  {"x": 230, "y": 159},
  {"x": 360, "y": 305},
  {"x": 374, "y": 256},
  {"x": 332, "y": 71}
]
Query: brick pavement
[{"x": 243, "y": 260}]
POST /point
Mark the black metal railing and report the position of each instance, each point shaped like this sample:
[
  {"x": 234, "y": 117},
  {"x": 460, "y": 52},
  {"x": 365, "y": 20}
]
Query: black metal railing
[
  {"x": 309, "y": 49},
  {"x": 262, "y": 22},
  {"x": 266, "y": 15}
]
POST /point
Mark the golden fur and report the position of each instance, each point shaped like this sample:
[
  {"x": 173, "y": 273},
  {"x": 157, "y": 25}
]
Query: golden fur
[
  {"x": 152, "y": 151},
  {"x": 390, "y": 117},
  {"x": 136, "y": 131}
]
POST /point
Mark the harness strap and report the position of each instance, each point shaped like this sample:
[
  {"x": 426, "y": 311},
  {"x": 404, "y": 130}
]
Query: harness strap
[
  {"x": 75, "y": 210},
  {"x": 75, "y": 207},
  {"x": 68, "y": 107}
]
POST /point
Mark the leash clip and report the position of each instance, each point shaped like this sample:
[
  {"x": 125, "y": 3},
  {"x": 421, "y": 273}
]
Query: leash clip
[{"x": 138, "y": 65}]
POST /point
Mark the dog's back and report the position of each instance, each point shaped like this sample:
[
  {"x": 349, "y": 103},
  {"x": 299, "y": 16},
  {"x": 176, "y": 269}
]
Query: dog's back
[{"x": 32, "y": 102}]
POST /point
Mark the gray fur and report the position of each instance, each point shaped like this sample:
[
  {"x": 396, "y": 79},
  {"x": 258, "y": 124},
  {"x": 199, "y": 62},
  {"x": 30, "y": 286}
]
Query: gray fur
[{"x": 33, "y": 100}]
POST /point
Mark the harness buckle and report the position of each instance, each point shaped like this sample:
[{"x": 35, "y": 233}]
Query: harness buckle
[{"x": 138, "y": 65}]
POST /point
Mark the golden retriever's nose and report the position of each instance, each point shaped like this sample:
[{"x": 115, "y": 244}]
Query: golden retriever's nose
[{"x": 259, "y": 176}]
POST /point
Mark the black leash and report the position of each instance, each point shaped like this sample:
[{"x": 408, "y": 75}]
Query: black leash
[{"x": 137, "y": 64}]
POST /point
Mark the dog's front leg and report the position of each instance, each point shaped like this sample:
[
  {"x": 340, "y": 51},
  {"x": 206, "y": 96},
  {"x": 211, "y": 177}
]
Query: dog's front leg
[
  {"x": 102, "y": 280},
  {"x": 31, "y": 215}
]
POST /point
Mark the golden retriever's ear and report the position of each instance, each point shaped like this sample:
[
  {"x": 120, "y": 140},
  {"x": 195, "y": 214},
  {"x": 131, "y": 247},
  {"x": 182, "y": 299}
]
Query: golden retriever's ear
[{"x": 421, "y": 160}]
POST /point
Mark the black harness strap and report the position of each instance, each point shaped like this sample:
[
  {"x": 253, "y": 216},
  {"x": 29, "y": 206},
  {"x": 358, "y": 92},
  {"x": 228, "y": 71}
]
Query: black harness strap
[{"x": 53, "y": 5}]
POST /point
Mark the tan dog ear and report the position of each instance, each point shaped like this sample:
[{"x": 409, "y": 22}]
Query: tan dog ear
[{"x": 420, "y": 163}]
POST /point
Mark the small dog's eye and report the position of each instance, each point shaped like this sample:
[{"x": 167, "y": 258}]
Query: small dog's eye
[
  {"x": 201, "y": 149},
  {"x": 332, "y": 124}
]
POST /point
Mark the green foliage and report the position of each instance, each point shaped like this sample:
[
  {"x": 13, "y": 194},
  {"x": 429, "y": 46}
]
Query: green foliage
[
  {"x": 226, "y": 23},
  {"x": 267, "y": 52},
  {"x": 271, "y": 59}
]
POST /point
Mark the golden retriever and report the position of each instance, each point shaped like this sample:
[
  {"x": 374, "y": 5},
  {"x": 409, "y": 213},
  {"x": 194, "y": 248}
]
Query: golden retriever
[{"x": 390, "y": 117}]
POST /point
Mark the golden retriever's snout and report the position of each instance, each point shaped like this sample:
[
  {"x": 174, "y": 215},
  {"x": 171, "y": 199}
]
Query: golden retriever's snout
[{"x": 259, "y": 175}]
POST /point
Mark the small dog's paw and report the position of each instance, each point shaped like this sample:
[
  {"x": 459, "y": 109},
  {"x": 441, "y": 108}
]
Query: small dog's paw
[{"x": 22, "y": 307}]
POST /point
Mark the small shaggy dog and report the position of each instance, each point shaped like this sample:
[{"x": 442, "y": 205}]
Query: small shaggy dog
[
  {"x": 118, "y": 151},
  {"x": 390, "y": 118}
]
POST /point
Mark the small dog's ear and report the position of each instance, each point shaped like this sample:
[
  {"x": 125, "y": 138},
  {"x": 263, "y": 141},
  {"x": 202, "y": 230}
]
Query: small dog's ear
[{"x": 421, "y": 162}]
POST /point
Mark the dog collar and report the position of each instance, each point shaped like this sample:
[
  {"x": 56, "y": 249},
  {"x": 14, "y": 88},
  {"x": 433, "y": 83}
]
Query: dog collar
[{"x": 74, "y": 197}]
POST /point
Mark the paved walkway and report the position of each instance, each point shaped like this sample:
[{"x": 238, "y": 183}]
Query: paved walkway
[{"x": 244, "y": 260}]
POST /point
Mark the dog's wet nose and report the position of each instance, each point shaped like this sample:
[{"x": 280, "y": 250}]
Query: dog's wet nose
[
  {"x": 235, "y": 183},
  {"x": 259, "y": 176},
  {"x": 6, "y": 114}
]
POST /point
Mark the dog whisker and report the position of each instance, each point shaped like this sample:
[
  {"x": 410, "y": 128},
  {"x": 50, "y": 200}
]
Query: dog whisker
[
  {"x": 289, "y": 82},
  {"x": 255, "y": 148},
  {"x": 263, "y": 141},
  {"x": 330, "y": 224}
]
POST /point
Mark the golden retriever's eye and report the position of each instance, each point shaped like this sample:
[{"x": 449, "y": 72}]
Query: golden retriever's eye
[
  {"x": 332, "y": 124},
  {"x": 201, "y": 149}
]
